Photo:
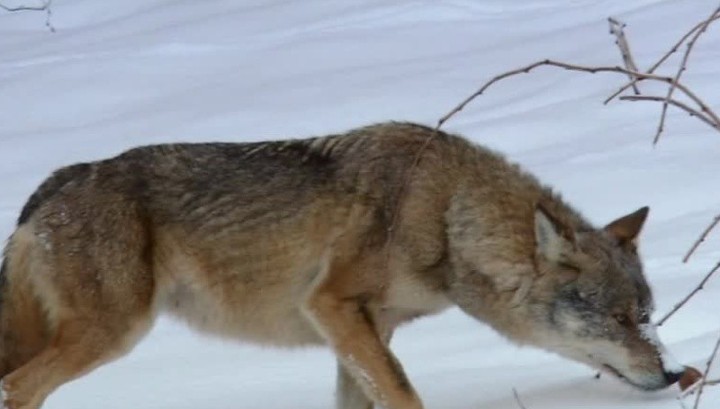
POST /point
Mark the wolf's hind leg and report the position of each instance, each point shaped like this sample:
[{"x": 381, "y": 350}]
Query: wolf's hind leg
[
  {"x": 77, "y": 347},
  {"x": 96, "y": 284}
]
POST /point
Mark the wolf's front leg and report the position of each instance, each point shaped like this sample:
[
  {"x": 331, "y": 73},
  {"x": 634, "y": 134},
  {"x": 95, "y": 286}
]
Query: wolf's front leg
[
  {"x": 348, "y": 328},
  {"x": 349, "y": 394}
]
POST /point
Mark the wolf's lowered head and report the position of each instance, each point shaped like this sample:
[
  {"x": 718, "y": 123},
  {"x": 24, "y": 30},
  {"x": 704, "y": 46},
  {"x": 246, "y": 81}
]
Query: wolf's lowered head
[
  {"x": 588, "y": 301},
  {"x": 602, "y": 317}
]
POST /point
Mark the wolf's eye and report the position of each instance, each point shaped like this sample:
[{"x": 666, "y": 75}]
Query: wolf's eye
[
  {"x": 644, "y": 318},
  {"x": 622, "y": 319}
]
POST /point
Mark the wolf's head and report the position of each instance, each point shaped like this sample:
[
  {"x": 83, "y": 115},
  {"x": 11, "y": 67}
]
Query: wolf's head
[
  {"x": 601, "y": 315},
  {"x": 588, "y": 300}
]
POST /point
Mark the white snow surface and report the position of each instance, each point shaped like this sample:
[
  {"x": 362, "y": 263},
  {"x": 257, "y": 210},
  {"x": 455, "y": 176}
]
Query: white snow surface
[{"x": 123, "y": 73}]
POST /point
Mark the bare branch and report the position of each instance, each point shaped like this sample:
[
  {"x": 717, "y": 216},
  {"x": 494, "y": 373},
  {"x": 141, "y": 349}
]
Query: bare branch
[
  {"x": 617, "y": 29},
  {"x": 683, "y": 67},
  {"x": 689, "y": 110},
  {"x": 517, "y": 399},
  {"x": 703, "y": 112},
  {"x": 581, "y": 68},
  {"x": 44, "y": 7},
  {"x": 707, "y": 371},
  {"x": 663, "y": 58},
  {"x": 690, "y": 295},
  {"x": 702, "y": 238}
]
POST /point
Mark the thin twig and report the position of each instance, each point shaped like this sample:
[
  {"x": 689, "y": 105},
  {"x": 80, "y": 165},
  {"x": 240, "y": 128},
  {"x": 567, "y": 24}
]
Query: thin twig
[
  {"x": 617, "y": 29},
  {"x": 662, "y": 59},
  {"x": 581, "y": 68},
  {"x": 689, "y": 110},
  {"x": 691, "y": 390},
  {"x": 707, "y": 371},
  {"x": 681, "y": 69},
  {"x": 517, "y": 399},
  {"x": 701, "y": 239},
  {"x": 679, "y": 43},
  {"x": 46, "y": 7},
  {"x": 401, "y": 193},
  {"x": 690, "y": 295}
]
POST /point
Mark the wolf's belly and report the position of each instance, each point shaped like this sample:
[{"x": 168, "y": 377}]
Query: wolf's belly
[
  {"x": 270, "y": 314},
  {"x": 260, "y": 316},
  {"x": 255, "y": 298}
]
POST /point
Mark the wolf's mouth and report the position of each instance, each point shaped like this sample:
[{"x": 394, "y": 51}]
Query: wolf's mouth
[
  {"x": 624, "y": 378},
  {"x": 614, "y": 371}
]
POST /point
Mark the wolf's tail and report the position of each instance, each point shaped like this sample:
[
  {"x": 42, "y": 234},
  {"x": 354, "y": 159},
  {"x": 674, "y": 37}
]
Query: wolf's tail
[{"x": 23, "y": 323}]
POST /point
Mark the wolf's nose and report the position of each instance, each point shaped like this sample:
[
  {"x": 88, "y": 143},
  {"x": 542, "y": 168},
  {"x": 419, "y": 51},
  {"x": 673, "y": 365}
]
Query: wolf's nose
[{"x": 672, "y": 377}]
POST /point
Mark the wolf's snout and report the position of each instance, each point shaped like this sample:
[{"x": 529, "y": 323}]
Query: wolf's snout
[{"x": 672, "y": 377}]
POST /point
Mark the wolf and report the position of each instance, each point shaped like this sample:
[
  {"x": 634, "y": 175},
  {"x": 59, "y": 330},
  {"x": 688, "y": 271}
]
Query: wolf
[{"x": 334, "y": 240}]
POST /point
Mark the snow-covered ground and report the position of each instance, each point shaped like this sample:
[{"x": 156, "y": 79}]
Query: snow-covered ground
[{"x": 122, "y": 73}]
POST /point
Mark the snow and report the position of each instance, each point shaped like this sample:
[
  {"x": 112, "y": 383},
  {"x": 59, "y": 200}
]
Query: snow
[{"x": 121, "y": 73}]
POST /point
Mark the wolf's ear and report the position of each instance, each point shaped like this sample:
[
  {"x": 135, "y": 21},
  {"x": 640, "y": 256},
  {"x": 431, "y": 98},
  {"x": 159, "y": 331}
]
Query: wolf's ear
[
  {"x": 626, "y": 229},
  {"x": 552, "y": 238}
]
